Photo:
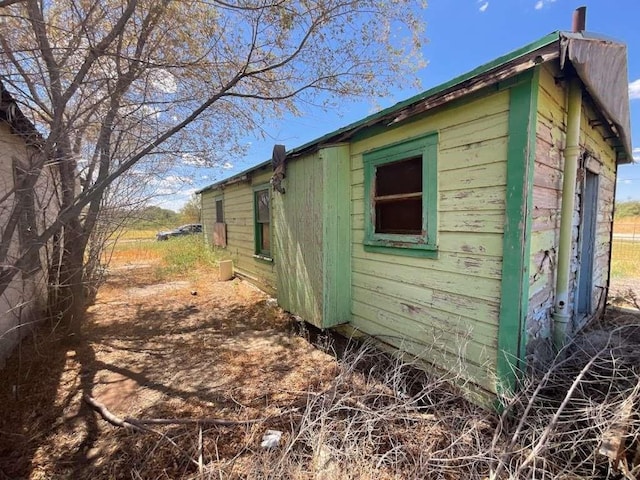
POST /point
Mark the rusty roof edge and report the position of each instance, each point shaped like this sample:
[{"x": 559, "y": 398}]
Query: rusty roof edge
[{"x": 452, "y": 84}]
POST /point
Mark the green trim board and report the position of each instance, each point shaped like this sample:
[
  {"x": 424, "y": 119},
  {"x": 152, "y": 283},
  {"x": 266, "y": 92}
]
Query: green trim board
[
  {"x": 260, "y": 252},
  {"x": 517, "y": 233},
  {"x": 426, "y": 147},
  {"x": 336, "y": 238}
]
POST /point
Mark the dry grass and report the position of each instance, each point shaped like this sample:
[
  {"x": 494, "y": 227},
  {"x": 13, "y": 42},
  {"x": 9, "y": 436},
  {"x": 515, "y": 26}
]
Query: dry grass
[
  {"x": 625, "y": 259},
  {"x": 627, "y": 225},
  {"x": 153, "y": 350},
  {"x": 141, "y": 234}
]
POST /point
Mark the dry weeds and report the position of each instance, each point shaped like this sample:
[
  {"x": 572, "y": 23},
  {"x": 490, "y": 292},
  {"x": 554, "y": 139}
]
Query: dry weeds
[{"x": 157, "y": 351}]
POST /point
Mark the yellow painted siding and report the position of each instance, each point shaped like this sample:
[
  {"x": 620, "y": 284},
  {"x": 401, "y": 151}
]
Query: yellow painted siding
[
  {"x": 547, "y": 198},
  {"x": 547, "y": 193},
  {"x": 445, "y": 310},
  {"x": 239, "y": 218}
]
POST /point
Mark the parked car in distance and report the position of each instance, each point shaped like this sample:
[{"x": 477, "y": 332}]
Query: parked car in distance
[{"x": 188, "y": 229}]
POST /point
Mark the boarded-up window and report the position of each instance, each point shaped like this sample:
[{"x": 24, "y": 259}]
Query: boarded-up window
[{"x": 262, "y": 221}]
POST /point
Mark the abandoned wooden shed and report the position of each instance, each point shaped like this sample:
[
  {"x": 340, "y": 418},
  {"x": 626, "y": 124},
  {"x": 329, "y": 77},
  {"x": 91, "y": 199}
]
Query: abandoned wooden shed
[
  {"x": 469, "y": 224},
  {"x": 23, "y": 214}
]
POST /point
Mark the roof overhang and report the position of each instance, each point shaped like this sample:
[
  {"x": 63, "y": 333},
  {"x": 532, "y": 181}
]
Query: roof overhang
[
  {"x": 601, "y": 64},
  {"x": 19, "y": 124}
]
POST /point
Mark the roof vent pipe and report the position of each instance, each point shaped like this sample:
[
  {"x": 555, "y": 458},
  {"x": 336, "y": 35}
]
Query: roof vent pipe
[{"x": 579, "y": 23}]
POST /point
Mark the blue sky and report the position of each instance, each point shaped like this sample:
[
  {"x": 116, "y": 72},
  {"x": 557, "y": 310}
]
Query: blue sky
[{"x": 463, "y": 34}]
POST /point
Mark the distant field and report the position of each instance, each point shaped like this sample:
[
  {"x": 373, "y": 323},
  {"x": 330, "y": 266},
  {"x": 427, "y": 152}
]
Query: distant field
[
  {"x": 627, "y": 225},
  {"x": 625, "y": 259},
  {"x": 178, "y": 256},
  {"x": 142, "y": 234}
]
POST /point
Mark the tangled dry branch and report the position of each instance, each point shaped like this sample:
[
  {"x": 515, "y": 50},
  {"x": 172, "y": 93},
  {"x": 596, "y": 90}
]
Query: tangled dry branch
[{"x": 384, "y": 418}]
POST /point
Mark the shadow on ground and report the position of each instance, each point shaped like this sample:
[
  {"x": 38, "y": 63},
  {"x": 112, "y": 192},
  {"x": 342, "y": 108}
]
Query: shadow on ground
[{"x": 151, "y": 352}]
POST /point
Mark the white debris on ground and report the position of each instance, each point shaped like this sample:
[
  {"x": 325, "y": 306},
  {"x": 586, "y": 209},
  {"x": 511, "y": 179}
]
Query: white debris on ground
[{"x": 271, "y": 439}]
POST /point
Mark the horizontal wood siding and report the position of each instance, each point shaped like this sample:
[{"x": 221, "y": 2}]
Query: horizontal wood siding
[
  {"x": 545, "y": 225},
  {"x": 445, "y": 310},
  {"x": 547, "y": 197},
  {"x": 239, "y": 217},
  {"x": 298, "y": 234}
]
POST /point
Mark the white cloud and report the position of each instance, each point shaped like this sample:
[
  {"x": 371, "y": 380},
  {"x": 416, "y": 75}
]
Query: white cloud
[
  {"x": 484, "y": 6},
  {"x": 193, "y": 160},
  {"x": 634, "y": 90},
  {"x": 169, "y": 185},
  {"x": 173, "y": 200},
  {"x": 227, "y": 165},
  {"x": 540, "y": 4},
  {"x": 636, "y": 154}
]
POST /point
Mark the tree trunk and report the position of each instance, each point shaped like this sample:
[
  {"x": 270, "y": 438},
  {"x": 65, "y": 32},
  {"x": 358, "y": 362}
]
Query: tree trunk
[{"x": 69, "y": 298}]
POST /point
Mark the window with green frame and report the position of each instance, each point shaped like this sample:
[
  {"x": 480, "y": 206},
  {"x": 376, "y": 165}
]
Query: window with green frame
[
  {"x": 262, "y": 220},
  {"x": 401, "y": 187}
]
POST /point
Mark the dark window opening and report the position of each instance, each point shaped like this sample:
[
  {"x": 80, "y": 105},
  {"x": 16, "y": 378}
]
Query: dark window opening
[
  {"x": 219, "y": 212},
  {"x": 398, "y": 197},
  {"x": 262, "y": 225}
]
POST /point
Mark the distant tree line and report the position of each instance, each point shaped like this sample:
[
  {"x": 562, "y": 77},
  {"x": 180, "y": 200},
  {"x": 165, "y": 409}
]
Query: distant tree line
[
  {"x": 628, "y": 209},
  {"x": 157, "y": 217}
]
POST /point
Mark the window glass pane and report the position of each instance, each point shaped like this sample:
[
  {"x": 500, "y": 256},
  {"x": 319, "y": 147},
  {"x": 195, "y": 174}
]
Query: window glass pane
[
  {"x": 219, "y": 212},
  {"x": 399, "y": 217},
  {"x": 265, "y": 238},
  {"x": 262, "y": 201},
  {"x": 404, "y": 176}
]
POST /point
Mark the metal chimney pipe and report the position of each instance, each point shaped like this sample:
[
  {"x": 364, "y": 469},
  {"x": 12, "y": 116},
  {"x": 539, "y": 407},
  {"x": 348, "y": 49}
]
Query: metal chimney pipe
[{"x": 579, "y": 23}]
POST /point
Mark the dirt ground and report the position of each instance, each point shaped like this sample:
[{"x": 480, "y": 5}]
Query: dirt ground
[
  {"x": 625, "y": 292},
  {"x": 183, "y": 349},
  {"x": 195, "y": 348}
]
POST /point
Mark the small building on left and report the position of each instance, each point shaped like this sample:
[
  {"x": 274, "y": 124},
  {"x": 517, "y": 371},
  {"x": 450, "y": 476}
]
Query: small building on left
[{"x": 26, "y": 209}]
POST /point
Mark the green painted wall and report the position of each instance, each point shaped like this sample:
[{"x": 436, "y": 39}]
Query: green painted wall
[
  {"x": 298, "y": 238},
  {"x": 516, "y": 243},
  {"x": 312, "y": 234},
  {"x": 337, "y": 235},
  {"x": 444, "y": 310},
  {"x": 239, "y": 217}
]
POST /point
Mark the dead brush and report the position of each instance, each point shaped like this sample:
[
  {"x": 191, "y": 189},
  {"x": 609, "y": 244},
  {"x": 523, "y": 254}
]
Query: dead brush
[
  {"x": 579, "y": 418},
  {"x": 381, "y": 418}
]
